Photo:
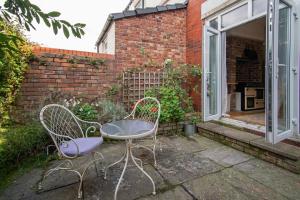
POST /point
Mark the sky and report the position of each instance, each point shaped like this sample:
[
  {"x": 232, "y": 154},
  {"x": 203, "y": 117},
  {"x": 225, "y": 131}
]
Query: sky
[{"x": 91, "y": 12}]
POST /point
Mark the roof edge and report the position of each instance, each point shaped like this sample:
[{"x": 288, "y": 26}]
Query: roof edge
[{"x": 136, "y": 13}]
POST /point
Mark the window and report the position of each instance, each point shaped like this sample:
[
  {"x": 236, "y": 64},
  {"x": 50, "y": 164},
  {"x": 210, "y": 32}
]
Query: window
[
  {"x": 237, "y": 15},
  {"x": 214, "y": 23}
]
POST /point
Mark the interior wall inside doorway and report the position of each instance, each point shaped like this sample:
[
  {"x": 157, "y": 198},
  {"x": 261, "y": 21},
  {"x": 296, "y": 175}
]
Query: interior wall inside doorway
[
  {"x": 245, "y": 72},
  {"x": 240, "y": 68}
]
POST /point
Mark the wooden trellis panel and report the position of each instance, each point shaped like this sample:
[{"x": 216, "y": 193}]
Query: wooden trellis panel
[{"x": 135, "y": 84}]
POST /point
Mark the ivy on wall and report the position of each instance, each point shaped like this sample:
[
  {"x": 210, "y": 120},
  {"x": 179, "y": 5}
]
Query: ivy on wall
[{"x": 13, "y": 65}]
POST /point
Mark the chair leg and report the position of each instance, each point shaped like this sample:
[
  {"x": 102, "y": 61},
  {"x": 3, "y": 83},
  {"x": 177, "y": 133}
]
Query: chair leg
[
  {"x": 68, "y": 166},
  {"x": 154, "y": 156}
]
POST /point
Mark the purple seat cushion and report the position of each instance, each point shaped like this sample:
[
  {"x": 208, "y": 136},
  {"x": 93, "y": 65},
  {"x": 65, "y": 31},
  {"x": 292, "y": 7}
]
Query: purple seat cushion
[{"x": 85, "y": 146}]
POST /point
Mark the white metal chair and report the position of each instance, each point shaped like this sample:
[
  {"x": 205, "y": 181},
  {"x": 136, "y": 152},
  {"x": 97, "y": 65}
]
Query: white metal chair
[
  {"x": 70, "y": 136},
  {"x": 147, "y": 109}
]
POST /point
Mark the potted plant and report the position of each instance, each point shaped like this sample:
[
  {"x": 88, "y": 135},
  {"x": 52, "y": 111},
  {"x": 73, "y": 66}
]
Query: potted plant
[{"x": 190, "y": 125}]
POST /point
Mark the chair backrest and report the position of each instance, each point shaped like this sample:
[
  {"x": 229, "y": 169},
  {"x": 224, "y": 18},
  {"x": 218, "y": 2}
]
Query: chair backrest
[
  {"x": 60, "y": 123},
  {"x": 147, "y": 109}
]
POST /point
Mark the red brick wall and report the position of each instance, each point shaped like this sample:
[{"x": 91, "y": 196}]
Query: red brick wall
[
  {"x": 68, "y": 72},
  {"x": 249, "y": 72},
  {"x": 161, "y": 35},
  {"x": 194, "y": 32},
  {"x": 194, "y": 44}
]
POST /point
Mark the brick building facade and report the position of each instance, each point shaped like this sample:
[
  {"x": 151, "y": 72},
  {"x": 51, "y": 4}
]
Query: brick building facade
[
  {"x": 145, "y": 41},
  {"x": 148, "y": 40}
]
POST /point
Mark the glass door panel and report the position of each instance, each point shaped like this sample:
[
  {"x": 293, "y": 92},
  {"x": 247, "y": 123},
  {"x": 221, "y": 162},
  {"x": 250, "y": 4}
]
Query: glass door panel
[
  {"x": 278, "y": 71},
  {"x": 211, "y": 75},
  {"x": 283, "y": 110},
  {"x": 212, "y": 86}
]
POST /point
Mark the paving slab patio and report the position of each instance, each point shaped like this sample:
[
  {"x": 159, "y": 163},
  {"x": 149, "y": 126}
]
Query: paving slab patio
[{"x": 188, "y": 169}]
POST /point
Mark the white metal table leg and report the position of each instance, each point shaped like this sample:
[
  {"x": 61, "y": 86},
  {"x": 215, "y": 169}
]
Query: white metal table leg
[
  {"x": 109, "y": 166},
  {"x": 127, "y": 154},
  {"x": 140, "y": 168},
  {"x": 123, "y": 172}
]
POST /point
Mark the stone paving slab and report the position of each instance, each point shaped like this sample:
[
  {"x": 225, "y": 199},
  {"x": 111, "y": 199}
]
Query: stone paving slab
[
  {"x": 280, "y": 180},
  {"x": 226, "y": 156},
  {"x": 23, "y": 187},
  {"x": 177, "y": 170},
  {"x": 170, "y": 146},
  {"x": 63, "y": 193},
  {"x": 230, "y": 184},
  {"x": 178, "y": 193},
  {"x": 186, "y": 167},
  {"x": 181, "y": 144},
  {"x": 135, "y": 184},
  {"x": 205, "y": 142}
]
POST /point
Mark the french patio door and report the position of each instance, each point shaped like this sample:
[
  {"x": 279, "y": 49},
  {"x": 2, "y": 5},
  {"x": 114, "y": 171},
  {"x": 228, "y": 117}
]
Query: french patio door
[
  {"x": 211, "y": 81},
  {"x": 279, "y": 87}
]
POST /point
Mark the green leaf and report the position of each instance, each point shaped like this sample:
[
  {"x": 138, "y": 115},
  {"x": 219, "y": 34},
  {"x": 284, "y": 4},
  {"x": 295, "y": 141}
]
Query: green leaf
[
  {"x": 81, "y": 31},
  {"x": 6, "y": 15},
  {"x": 75, "y": 32},
  {"x": 27, "y": 26},
  {"x": 36, "y": 16},
  {"x": 66, "y": 31},
  {"x": 46, "y": 21},
  {"x": 54, "y": 14},
  {"x": 35, "y": 7},
  {"x": 80, "y": 25},
  {"x": 54, "y": 26},
  {"x": 65, "y": 22},
  {"x": 29, "y": 16}
]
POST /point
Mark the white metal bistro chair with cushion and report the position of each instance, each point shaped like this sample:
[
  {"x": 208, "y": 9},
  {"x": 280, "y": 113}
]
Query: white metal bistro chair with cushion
[
  {"x": 147, "y": 109},
  {"x": 70, "y": 136}
]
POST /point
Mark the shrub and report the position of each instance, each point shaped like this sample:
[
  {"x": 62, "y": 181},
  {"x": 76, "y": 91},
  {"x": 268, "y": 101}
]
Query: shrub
[
  {"x": 173, "y": 98},
  {"x": 82, "y": 110},
  {"x": 12, "y": 66},
  {"x": 174, "y": 103},
  {"x": 18, "y": 143},
  {"x": 99, "y": 110},
  {"x": 85, "y": 111},
  {"x": 110, "y": 111}
]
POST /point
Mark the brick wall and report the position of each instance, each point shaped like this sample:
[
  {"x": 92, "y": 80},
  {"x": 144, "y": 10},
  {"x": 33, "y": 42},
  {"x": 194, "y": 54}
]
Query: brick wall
[
  {"x": 150, "y": 39},
  {"x": 194, "y": 44},
  {"x": 250, "y": 72},
  {"x": 194, "y": 32},
  {"x": 235, "y": 47},
  {"x": 73, "y": 73}
]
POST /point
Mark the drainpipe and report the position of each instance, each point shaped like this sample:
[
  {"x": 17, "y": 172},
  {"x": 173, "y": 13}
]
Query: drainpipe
[{"x": 143, "y": 4}]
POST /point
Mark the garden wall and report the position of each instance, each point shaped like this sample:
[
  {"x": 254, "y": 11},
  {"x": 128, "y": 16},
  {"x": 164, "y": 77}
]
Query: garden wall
[{"x": 55, "y": 73}]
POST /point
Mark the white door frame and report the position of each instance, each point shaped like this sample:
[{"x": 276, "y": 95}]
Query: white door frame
[
  {"x": 205, "y": 74},
  {"x": 272, "y": 73},
  {"x": 294, "y": 101}
]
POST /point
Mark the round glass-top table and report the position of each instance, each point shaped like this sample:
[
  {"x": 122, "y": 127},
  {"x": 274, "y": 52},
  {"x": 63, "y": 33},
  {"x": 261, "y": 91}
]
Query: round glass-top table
[{"x": 128, "y": 130}]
